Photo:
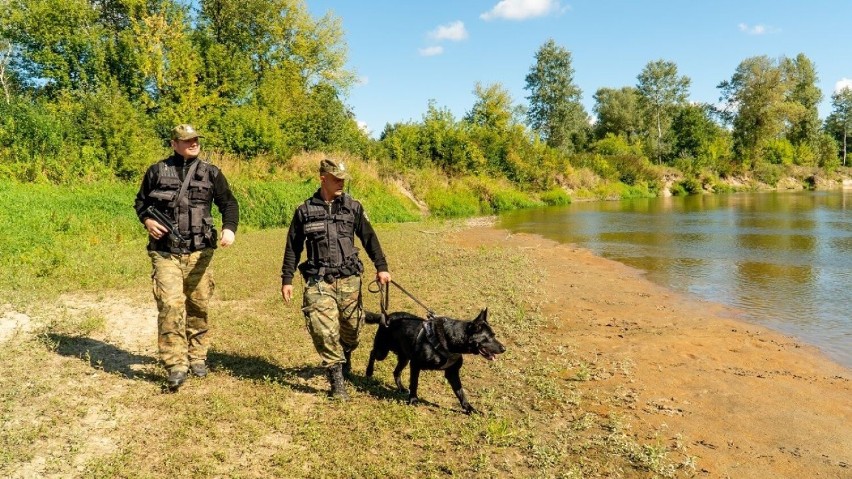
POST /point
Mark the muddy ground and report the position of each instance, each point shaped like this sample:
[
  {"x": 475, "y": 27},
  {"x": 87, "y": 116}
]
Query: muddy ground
[{"x": 747, "y": 401}]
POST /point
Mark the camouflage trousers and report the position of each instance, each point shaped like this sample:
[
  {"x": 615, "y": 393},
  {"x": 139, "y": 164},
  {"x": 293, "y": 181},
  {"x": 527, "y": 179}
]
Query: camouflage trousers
[
  {"x": 182, "y": 286},
  {"x": 333, "y": 316}
]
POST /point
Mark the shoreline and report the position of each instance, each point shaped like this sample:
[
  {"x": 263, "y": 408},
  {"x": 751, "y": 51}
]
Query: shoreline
[{"x": 745, "y": 400}]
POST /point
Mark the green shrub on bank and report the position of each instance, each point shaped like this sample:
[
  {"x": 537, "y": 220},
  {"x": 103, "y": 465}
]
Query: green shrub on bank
[
  {"x": 555, "y": 197},
  {"x": 454, "y": 202},
  {"x": 498, "y": 196}
]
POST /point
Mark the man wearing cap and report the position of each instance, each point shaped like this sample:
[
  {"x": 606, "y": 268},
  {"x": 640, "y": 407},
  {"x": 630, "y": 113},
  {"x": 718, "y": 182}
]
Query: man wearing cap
[
  {"x": 183, "y": 189},
  {"x": 326, "y": 225}
]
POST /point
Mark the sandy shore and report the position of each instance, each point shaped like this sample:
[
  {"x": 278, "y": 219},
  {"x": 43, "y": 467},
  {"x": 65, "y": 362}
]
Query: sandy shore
[{"x": 744, "y": 400}]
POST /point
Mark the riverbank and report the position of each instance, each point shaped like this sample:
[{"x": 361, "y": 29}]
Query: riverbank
[
  {"x": 605, "y": 375},
  {"x": 743, "y": 400}
]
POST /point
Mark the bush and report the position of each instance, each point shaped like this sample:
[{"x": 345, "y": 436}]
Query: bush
[
  {"x": 455, "y": 201},
  {"x": 779, "y": 152},
  {"x": 768, "y": 173},
  {"x": 497, "y": 196},
  {"x": 691, "y": 186},
  {"x": 677, "y": 189},
  {"x": 555, "y": 197}
]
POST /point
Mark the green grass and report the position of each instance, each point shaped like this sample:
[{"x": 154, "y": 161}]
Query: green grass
[
  {"x": 94, "y": 408},
  {"x": 61, "y": 238},
  {"x": 66, "y": 238}
]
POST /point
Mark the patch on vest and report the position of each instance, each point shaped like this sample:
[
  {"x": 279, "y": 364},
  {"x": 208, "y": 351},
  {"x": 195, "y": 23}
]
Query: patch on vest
[{"x": 314, "y": 227}]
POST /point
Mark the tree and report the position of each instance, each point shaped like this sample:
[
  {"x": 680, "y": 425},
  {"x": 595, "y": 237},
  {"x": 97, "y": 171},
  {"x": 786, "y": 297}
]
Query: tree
[
  {"x": 5, "y": 72},
  {"x": 841, "y": 116},
  {"x": 246, "y": 43},
  {"x": 617, "y": 112},
  {"x": 755, "y": 105},
  {"x": 555, "y": 111},
  {"x": 58, "y": 43},
  {"x": 660, "y": 90},
  {"x": 804, "y": 97},
  {"x": 693, "y": 131},
  {"x": 493, "y": 108}
]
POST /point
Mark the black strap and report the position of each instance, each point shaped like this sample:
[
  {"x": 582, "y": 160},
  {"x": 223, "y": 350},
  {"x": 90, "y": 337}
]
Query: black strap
[
  {"x": 384, "y": 302},
  {"x": 183, "y": 187},
  {"x": 429, "y": 313},
  {"x": 180, "y": 200},
  {"x": 384, "y": 299}
]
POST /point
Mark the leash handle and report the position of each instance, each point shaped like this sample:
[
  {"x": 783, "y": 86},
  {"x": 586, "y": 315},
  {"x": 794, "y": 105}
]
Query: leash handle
[{"x": 384, "y": 299}]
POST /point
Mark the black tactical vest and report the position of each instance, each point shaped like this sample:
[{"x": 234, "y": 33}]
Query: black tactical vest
[
  {"x": 191, "y": 213},
  {"x": 330, "y": 239}
]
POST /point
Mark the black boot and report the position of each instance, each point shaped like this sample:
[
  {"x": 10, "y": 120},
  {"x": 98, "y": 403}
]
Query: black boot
[
  {"x": 338, "y": 386},
  {"x": 175, "y": 379},
  {"x": 347, "y": 366},
  {"x": 199, "y": 369}
]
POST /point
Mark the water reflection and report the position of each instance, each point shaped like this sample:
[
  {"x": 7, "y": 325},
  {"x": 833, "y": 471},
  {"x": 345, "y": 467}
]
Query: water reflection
[{"x": 783, "y": 258}]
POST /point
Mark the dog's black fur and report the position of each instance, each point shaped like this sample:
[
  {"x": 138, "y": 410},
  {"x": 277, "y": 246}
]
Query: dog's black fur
[{"x": 435, "y": 344}]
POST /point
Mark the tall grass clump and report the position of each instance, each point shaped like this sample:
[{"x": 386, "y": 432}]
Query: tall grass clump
[
  {"x": 270, "y": 204},
  {"x": 498, "y": 196},
  {"x": 555, "y": 197},
  {"x": 454, "y": 202},
  {"x": 383, "y": 204}
]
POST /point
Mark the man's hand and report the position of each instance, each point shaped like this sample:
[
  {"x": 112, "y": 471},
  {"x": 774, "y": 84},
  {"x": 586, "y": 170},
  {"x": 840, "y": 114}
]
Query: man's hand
[
  {"x": 383, "y": 277},
  {"x": 155, "y": 229},
  {"x": 287, "y": 292},
  {"x": 227, "y": 238}
]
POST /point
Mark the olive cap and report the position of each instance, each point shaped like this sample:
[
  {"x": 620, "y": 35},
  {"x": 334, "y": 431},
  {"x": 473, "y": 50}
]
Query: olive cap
[
  {"x": 335, "y": 168},
  {"x": 185, "y": 132}
]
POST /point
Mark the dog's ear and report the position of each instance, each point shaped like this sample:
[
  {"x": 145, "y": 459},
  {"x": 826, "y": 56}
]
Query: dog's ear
[{"x": 483, "y": 316}]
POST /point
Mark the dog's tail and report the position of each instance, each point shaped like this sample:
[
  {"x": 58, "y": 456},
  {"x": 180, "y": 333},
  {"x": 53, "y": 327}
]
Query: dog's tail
[{"x": 372, "y": 318}]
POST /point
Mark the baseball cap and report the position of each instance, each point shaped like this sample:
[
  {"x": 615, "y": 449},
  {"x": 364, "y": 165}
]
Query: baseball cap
[
  {"x": 335, "y": 168},
  {"x": 185, "y": 132}
]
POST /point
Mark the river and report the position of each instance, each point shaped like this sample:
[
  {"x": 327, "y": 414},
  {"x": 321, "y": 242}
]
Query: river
[{"x": 784, "y": 259}]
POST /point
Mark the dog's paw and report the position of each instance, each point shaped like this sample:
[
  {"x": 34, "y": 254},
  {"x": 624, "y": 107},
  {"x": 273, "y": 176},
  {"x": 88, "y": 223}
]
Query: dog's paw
[{"x": 413, "y": 401}]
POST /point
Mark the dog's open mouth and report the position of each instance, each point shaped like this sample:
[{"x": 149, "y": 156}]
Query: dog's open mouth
[{"x": 487, "y": 354}]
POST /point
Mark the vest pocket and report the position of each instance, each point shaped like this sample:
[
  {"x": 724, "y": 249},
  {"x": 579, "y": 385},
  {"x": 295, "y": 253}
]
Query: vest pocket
[
  {"x": 163, "y": 195},
  {"x": 203, "y": 194}
]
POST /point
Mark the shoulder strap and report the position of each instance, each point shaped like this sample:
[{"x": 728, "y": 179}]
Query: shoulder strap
[{"x": 189, "y": 174}]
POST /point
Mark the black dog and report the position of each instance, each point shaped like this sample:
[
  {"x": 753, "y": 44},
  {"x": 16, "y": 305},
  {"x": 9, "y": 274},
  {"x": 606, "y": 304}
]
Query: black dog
[{"x": 434, "y": 344}]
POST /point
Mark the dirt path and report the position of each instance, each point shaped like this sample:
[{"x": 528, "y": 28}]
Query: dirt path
[{"x": 745, "y": 401}]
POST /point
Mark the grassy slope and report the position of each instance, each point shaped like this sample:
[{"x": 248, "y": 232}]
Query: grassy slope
[{"x": 76, "y": 403}]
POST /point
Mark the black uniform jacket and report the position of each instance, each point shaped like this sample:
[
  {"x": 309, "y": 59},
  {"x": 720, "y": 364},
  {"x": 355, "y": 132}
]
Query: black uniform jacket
[
  {"x": 223, "y": 198},
  {"x": 296, "y": 238}
]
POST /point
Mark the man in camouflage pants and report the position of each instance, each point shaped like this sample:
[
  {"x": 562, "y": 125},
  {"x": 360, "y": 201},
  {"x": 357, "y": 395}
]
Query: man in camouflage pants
[
  {"x": 174, "y": 203},
  {"x": 326, "y": 224}
]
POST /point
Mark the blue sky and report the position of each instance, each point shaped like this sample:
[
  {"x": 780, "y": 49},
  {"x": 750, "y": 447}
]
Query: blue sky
[{"x": 406, "y": 53}]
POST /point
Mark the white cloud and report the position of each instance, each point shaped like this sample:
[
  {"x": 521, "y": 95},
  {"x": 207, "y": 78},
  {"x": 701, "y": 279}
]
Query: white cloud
[
  {"x": 758, "y": 29},
  {"x": 452, "y": 31},
  {"x": 522, "y": 9},
  {"x": 363, "y": 127},
  {"x": 843, "y": 84},
  {"x": 431, "y": 51}
]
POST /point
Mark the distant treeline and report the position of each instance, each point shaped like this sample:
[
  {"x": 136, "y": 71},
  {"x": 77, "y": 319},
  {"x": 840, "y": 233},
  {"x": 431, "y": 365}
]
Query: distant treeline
[{"x": 90, "y": 89}]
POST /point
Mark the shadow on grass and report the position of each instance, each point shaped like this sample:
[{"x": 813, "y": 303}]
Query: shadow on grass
[
  {"x": 114, "y": 360},
  {"x": 296, "y": 378},
  {"x": 105, "y": 356},
  {"x": 259, "y": 369}
]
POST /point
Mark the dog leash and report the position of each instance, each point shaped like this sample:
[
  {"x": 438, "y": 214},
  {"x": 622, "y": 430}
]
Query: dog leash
[{"x": 384, "y": 299}]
